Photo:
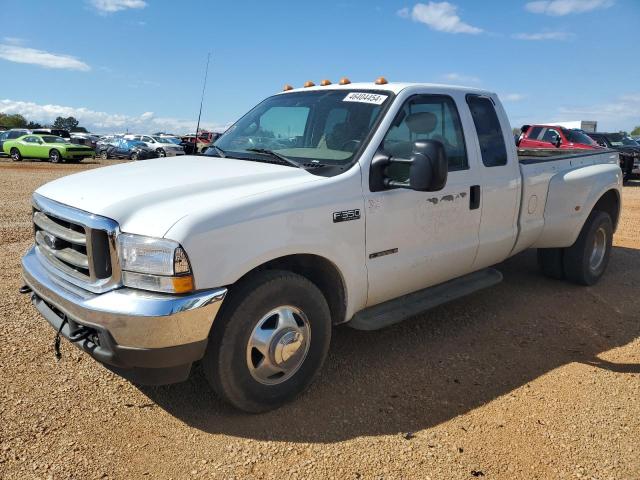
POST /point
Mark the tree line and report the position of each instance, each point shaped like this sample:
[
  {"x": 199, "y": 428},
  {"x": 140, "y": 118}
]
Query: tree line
[{"x": 16, "y": 120}]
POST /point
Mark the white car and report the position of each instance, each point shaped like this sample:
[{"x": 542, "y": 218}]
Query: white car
[
  {"x": 359, "y": 203},
  {"x": 162, "y": 145}
]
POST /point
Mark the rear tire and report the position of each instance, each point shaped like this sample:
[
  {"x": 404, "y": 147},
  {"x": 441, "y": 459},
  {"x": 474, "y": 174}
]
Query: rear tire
[
  {"x": 104, "y": 155},
  {"x": 586, "y": 260},
  {"x": 134, "y": 156},
  {"x": 15, "y": 155},
  {"x": 281, "y": 314},
  {"x": 161, "y": 153},
  {"x": 550, "y": 262}
]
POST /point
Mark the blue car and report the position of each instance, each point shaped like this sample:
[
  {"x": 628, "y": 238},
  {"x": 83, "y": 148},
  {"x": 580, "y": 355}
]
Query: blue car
[{"x": 123, "y": 148}]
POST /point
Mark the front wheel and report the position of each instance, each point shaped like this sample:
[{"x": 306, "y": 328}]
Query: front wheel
[
  {"x": 586, "y": 260},
  {"x": 54, "y": 156},
  {"x": 104, "y": 155},
  {"x": 134, "y": 156},
  {"x": 270, "y": 342},
  {"x": 161, "y": 153},
  {"x": 15, "y": 155}
]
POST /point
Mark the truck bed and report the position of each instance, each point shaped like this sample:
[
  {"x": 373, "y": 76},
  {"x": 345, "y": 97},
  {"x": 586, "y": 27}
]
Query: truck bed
[{"x": 556, "y": 192}]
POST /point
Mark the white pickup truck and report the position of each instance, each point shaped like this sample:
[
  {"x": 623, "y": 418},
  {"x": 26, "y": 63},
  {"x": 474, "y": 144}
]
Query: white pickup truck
[{"x": 353, "y": 203}]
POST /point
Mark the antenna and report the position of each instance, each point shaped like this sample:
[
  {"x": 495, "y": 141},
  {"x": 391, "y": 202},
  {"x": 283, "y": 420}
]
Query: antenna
[{"x": 204, "y": 85}]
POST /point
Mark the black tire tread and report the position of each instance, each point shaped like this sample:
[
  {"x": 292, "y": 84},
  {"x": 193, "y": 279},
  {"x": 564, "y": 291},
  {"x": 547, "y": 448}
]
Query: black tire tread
[{"x": 575, "y": 262}]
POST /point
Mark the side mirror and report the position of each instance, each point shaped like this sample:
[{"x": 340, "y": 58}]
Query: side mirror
[{"x": 428, "y": 168}]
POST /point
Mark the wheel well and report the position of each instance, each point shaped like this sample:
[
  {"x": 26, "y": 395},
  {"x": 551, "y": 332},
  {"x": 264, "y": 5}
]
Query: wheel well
[
  {"x": 318, "y": 270},
  {"x": 610, "y": 203},
  {"x": 53, "y": 150}
]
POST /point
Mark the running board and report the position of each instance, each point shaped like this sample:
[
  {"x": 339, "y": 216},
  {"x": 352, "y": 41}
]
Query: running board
[{"x": 401, "y": 308}]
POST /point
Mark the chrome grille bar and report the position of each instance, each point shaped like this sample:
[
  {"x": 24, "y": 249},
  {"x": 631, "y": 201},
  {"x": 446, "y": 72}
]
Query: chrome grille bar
[
  {"x": 67, "y": 255},
  {"x": 45, "y": 223}
]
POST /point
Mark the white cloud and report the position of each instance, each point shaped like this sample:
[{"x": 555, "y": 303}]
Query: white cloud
[
  {"x": 15, "y": 53},
  {"x": 103, "y": 122},
  {"x": 512, "y": 97},
  {"x": 111, "y": 6},
  {"x": 440, "y": 16},
  {"x": 458, "y": 78},
  {"x": 625, "y": 107},
  {"x": 543, "y": 36},
  {"x": 559, "y": 8},
  {"x": 13, "y": 40}
]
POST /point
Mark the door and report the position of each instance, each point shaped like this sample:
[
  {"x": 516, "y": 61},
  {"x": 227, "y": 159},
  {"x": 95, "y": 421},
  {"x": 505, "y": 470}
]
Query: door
[
  {"x": 32, "y": 147},
  {"x": 499, "y": 174},
  {"x": 418, "y": 239}
]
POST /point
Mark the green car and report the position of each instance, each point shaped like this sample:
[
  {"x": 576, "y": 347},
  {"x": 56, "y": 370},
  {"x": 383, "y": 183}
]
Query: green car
[{"x": 55, "y": 149}]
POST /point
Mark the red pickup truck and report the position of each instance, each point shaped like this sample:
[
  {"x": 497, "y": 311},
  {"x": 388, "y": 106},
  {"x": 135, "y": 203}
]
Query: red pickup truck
[{"x": 552, "y": 136}]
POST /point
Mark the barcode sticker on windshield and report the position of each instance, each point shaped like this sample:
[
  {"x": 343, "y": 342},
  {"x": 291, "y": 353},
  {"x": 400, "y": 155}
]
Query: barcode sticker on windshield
[{"x": 361, "y": 97}]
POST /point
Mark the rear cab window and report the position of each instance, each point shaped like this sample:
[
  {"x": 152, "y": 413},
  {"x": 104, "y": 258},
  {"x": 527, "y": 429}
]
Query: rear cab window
[{"x": 489, "y": 131}]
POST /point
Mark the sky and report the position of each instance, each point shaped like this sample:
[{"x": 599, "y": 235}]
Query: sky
[{"x": 138, "y": 65}]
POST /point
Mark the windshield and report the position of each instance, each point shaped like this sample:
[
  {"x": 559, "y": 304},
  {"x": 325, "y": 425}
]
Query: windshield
[
  {"x": 615, "y": 139},
  {"x": 162, "y": 140},
  {"x": 576, "y": 136},
  {"x": 630, "y": 141},
  {"x": 326, "y": 127}
]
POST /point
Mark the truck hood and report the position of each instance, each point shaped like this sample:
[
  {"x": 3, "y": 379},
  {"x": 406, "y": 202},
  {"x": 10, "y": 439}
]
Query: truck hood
[{"x": 148, "y": 197}]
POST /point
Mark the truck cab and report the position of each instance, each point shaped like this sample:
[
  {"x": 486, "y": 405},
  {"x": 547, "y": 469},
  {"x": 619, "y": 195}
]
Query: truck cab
[{"x": 356, "y": 203}]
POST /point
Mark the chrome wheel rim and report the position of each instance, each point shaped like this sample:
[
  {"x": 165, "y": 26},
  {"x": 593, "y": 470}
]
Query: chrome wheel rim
[
  {"x": 598, "y": 250},
  {"x": 278, "y": 345},
  {"x": 15, "y": 155},
  {"x": 54, "y": 157}
]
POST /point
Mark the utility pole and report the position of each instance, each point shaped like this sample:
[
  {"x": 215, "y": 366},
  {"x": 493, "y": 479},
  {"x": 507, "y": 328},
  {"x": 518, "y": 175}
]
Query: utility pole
[{"x": 204, "y": 85}]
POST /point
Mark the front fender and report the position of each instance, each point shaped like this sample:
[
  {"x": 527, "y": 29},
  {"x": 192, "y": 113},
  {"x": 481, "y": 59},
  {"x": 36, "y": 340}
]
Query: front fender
[{"x": 571, "y": 198}]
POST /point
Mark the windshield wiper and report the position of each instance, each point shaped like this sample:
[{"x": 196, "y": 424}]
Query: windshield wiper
[
  {"x": 219, "y": 151},
  {"x": 273, "y": 154}
]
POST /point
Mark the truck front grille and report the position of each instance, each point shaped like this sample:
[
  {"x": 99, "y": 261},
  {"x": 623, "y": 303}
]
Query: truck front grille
[{"x": 76, "y": 245}]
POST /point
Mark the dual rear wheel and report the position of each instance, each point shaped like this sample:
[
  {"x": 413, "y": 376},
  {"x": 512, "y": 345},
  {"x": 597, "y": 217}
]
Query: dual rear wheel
[{"x": 585, "y": 261}]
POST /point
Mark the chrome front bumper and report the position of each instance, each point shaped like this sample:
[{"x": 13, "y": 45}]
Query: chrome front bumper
[{"x": 133, "y": 318}]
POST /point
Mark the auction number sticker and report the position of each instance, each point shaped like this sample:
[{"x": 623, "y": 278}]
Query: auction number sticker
[{"x": 362, "y": 97}]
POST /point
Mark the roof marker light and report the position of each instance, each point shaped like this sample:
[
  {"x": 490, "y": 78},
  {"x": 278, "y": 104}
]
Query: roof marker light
[
  {"x": 287, "y": 87},
  {"x": 345, "y": 81},
  {"x": 324, "y": 83},
  {"x": 309, "y": 83},
  {"x": 381, "y": 81}
]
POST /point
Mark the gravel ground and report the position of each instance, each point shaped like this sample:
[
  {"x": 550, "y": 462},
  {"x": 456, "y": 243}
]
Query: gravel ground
[{"x": 530, "y": 379}]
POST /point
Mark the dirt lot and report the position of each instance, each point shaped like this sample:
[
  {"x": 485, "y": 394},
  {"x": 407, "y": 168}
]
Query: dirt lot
[{"x": 530, "y": 379}]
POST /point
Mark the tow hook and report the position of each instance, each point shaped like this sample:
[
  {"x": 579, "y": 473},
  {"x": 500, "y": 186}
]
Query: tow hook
[{"x": 25, "y": 289}]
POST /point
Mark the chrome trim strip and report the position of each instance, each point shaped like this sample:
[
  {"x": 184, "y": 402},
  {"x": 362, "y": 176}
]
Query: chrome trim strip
[
  {"x": 48, "y": 225},
  {"x": 134, "y": 318}
]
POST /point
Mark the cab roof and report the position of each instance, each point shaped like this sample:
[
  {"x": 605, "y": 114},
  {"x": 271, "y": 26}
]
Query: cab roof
[{"x": 394, "y": 87}]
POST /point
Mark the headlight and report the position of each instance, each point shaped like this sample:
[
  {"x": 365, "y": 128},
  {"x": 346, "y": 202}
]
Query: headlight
[{"x": 156, "y": 264}]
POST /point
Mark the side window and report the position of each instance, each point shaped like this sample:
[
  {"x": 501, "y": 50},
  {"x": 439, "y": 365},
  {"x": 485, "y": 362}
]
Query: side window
[
  {"x": 425, "y": 117},
  {"x": 534, "y": 133},
  {"x": 147, "y": 139},
  {"x": 600, "y": 141},
  {"x": 550, "y": 135},
  {"x": 485, "y": 119},
  {"x": 31, "y": 140}
]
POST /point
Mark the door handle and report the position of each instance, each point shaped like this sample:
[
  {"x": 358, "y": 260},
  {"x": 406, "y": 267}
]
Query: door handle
[{"x": 474, "y": 197}]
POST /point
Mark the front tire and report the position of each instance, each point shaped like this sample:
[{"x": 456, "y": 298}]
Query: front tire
[
  {"x": 104, "y": 155},
  {"x": 134, "y": 156},
  {"x": 15, "y": 155},
  {"x": 270, "y": 341},
  {"x": 54, "y": 156},
  {"x": 161, "y": 153},
  {"x": 586, "y": 260}
]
